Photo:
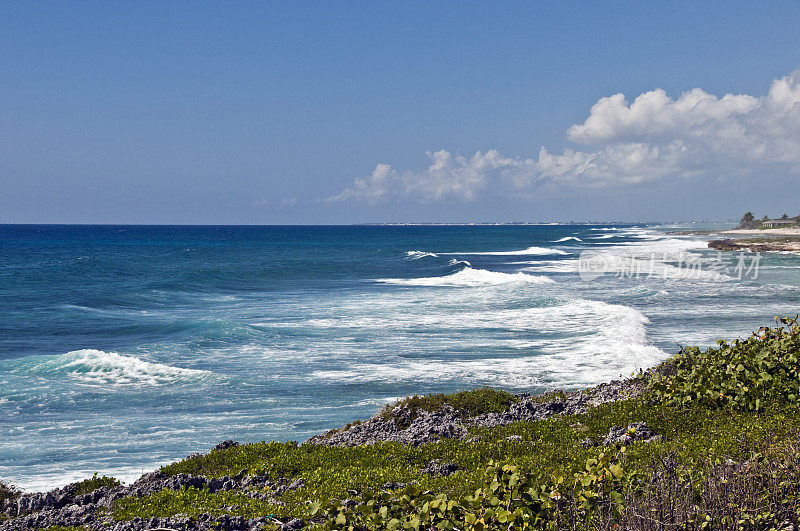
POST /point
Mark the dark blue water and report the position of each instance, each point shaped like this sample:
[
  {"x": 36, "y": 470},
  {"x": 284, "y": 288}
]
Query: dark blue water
[{"x": 126, "y": 347}]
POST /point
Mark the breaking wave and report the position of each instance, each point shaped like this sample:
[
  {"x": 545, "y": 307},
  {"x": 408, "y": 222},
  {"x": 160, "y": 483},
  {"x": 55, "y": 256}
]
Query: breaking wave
[
  {"x": 416, "y": 255},
  {"x": 97, "y": 367},
  {"x": 528, "y": 251},
  {"x": 469, "y": 277},
  {"x": 579, "y": 342}
]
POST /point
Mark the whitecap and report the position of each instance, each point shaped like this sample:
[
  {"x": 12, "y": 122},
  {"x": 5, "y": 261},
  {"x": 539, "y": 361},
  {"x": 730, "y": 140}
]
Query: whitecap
[
  {"x": 581, "y": 342},
  {"x": 97, "y": 367},
  {"x": 568, "y": 238},
  {"x": 665, "y": 258},
  {"x": 529, "y": 251},
  {"x": 666, "y": 247},
  {"x": 416, "y": 255},
  {"x": 469, "y": 277}
]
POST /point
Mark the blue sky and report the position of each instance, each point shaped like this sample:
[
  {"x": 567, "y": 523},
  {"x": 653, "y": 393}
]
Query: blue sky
[{"x": 334, "y": 112}]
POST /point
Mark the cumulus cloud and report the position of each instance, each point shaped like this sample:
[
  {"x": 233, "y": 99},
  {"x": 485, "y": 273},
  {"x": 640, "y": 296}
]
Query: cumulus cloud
[
  {"x": 653, "y": 138},
  {"x": 448, "y": 176}
]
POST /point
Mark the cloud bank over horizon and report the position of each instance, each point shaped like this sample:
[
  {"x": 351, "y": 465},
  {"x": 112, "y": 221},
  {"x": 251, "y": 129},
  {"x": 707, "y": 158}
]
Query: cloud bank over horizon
[{"x": 654, "y": 138}]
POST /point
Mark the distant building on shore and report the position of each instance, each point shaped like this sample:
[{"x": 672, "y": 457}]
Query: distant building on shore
[{"x": 775, "y": 223}]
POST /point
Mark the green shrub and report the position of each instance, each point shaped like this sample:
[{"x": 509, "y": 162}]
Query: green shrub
[
  {"x": 468, "y": 403},
  {"x": 8, "y": 492},
  {"x": 697, "y": 437},
  {"x": 93, "y": 483},
  {"x": 191, "y": 501},
  {"x": 508, "y": 499},
  {"x": 744, "y": 374}
]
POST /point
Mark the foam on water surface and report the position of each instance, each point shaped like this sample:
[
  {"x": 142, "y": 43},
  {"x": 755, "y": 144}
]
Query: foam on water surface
[
  {"x": 416, "y": 255},
  {"x": 104, "y": 369},
  {"x": 469, "y": 277},
  {"x": 532, "y": 250},
  {"x": 604, "y": 341}
]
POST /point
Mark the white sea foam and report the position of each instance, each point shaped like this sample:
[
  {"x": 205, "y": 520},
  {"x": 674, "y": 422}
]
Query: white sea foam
[
  {"x": 529, "y": 251},
  {"x": 580, "y": 342},
  {"x": 671, "y": 248},
  {"x": 552, "y": 266},
  {"x": 97, "y": 367},
  {"x": 605, "y": 236},
  {"x": 626, "y": 265},
  {"x": 568, "y": 238},
  {"x": 469, "y": 277},
  {"x": 455, "y": 262},
  {"x": 416, "y": 255},
  {"x": 657, "y": 257}
]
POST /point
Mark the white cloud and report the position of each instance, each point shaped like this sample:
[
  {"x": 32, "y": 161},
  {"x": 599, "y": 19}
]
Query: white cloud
[
  {"x": 449, "y": 176},
  {"x": 372, "y": 189},
  {"x": 653, "y": 138}
]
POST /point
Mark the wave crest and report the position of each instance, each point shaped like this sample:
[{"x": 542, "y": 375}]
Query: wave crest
[
  {"x": 529, "y": 251},
  {"x": 580, "y": 342},
  {"x": 416, "y": 255},
  {"x": 97, "y": 367},
  {"x": 469, "y": 277}
]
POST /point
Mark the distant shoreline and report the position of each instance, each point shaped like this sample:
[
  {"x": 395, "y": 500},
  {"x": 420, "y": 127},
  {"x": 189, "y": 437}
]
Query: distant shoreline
[
  {"x": 785, "y": 240},
  {"x": 794, "y": 231},
  {"x": 757, "y": 245}
]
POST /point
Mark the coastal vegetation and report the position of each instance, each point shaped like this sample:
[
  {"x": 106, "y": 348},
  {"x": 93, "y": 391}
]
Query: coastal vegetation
[
  {"x": 93, "y": 483},
  {"x": 8, "y": 492},
  {"x": 724, "y": 455},
  {"x": 468, "y": 403},
  {"x": 749, "y": 222}
]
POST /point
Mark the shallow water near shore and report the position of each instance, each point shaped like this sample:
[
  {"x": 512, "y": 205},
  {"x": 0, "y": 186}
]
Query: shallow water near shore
[{"x": 126, "y": 347}]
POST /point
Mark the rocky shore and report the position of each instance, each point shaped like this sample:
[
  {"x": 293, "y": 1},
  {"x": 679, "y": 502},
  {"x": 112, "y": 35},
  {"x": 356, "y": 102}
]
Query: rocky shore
[
  {"x": 760, "y": 245},
  {"x": 429, "y": 426},
  {"x": 64, "y": 507}
]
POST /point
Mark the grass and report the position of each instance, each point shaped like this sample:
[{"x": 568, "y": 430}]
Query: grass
[
  {"x": 95, "y": 482},
  {"x": 695, "y": 437},
  {"x": 468, "y": 403}
]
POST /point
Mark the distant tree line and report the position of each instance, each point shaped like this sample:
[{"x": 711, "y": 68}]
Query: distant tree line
[{"x": 749, "y": 221}]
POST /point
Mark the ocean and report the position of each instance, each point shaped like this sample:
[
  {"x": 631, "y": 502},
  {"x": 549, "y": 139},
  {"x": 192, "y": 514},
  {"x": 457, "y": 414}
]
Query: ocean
[{"x": 123, "y": 348}]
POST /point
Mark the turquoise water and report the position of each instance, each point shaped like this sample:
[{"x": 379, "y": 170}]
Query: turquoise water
[{"x": 123, "y": 347}]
